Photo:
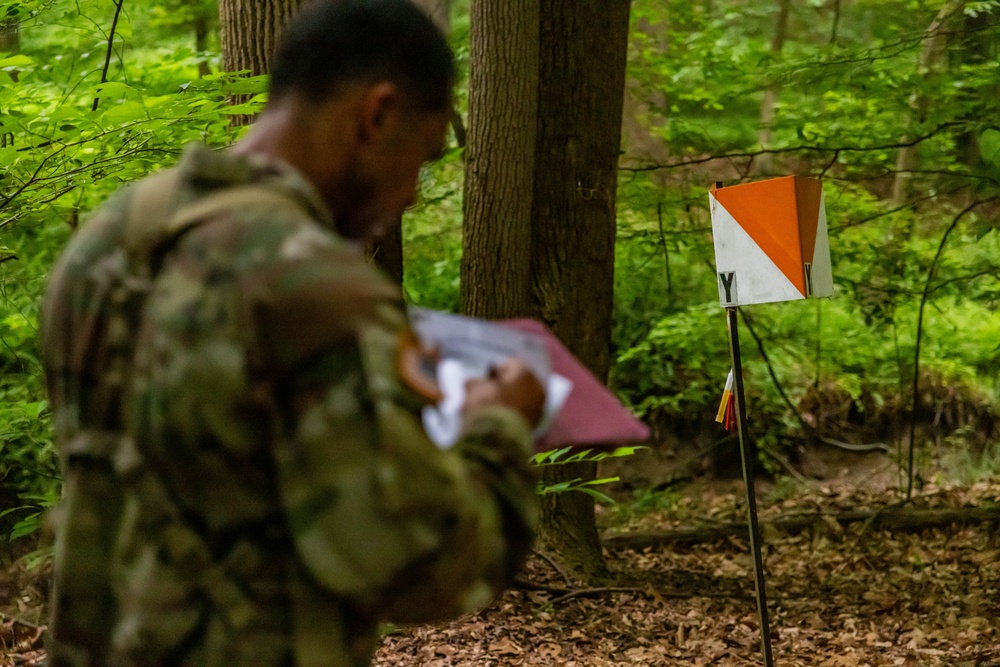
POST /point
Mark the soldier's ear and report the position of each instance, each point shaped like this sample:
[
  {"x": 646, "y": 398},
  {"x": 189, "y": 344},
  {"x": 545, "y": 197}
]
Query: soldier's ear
[{"x": 379, "y": 103}]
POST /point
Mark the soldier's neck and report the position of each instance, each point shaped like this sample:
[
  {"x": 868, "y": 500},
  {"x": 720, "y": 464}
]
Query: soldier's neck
[{"x": 303, "y": 137}]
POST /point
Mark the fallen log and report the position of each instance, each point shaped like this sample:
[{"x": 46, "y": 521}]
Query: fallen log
[{"x": 896, "y": 519}]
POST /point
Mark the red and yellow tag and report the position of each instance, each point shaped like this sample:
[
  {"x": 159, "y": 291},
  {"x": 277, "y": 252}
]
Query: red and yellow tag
[{"x": 727, "y": 407}]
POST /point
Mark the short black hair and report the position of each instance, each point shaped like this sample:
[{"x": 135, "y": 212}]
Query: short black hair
[{"x": 332, "y": 42}]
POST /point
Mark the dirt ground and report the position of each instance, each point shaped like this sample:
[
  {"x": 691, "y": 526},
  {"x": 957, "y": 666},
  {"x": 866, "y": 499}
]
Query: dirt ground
[{"x": 840, "y": 596}]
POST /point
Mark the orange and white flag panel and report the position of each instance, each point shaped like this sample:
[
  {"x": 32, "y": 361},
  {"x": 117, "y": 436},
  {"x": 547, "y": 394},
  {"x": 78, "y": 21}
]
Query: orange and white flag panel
[{"x": 771, "y": 241}]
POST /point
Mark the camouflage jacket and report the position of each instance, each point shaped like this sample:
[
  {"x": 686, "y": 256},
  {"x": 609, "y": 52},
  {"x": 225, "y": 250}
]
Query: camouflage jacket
[{"x": 247, "y": 481}]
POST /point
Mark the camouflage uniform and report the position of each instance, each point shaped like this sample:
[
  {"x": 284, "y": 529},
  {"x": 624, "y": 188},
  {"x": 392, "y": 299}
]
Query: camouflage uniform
[{"x": 246, "y": 477}]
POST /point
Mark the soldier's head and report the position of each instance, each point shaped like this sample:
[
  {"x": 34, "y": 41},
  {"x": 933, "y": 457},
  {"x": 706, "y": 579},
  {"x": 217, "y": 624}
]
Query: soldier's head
[{"x": 367, "y": 87}]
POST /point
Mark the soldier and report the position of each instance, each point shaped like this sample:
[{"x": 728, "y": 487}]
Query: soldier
[{"x": 236, "y": 393}]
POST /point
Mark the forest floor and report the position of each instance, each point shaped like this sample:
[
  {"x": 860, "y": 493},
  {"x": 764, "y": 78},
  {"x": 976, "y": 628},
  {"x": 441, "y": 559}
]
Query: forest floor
[{"x": 840, "y": 595}]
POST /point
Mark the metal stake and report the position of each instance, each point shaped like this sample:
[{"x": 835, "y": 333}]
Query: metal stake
[{"x": 748, "y": 450}]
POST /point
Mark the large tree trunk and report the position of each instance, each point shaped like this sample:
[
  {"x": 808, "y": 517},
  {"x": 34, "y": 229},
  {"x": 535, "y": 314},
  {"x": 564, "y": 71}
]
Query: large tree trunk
[
  {"x": 582, "y": 71},
  {"x": 249, "y": 30},
  {"x": 545, "y": 117},
  {"x": 499, "y": 167}
]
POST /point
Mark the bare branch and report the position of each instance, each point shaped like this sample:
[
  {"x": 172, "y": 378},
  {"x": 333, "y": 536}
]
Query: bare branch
[
  {"x": 804, "y": 148},
  {"x": 111, "y": 44},
  {"x": 920, "y": 329}
]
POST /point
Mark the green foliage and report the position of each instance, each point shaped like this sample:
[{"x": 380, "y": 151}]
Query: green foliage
[
  {"x": 574, "y": 455},
  {"x": 851, "y": 89},
  {"x": 677, "y": 366},
  {"x": 59, "y": 155},
  {"x": 645, "y": 501},
  {"x": 962, "y": 464},
  {"x": 432, "y": 235}
]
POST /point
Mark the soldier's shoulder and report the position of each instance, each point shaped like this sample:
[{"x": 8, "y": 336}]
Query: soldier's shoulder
[{"x": 311, "y": 290}]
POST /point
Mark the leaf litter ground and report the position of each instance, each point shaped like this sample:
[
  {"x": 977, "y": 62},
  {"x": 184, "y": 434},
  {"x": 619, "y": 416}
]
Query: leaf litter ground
[{"x": 839, "y": 596}]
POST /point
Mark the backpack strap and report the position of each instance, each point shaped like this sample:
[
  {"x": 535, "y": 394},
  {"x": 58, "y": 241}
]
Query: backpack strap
[
  {"x": 154, "y": 222},
  {"x": 154, "y": 219}
]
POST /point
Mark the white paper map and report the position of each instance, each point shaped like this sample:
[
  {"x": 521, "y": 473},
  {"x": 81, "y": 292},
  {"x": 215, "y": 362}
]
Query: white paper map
[{"x": 469, "y": 348}]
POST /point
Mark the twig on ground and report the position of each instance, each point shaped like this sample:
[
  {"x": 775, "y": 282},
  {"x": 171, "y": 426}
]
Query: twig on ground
[
  {"x": 872, "y": 447},
  {"x": 563, "y": 594},
  {"x": 555, "y": 566},
  {"x": 5, "y": 619},
  {"x": 535, "y": 586},
  {"x": 787, "y": 465},
  {"x": 891, "y": 518},
  {"x": 590, "y": 592}
]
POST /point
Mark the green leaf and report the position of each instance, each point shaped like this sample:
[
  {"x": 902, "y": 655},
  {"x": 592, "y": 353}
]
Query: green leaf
[
  {"x": 597, "y": 495},
  {"x": 16, "y": 61},
  {"x": 247, "y": 85},
  {"x": 556, "y": 488},
  {"x": 29, "y": 525},
  {"x": 126, "y": 112},
  {"x": 34, "y": 410},
  {"x": 551, "y": 456},
  {"x": 603, "y": 480}
]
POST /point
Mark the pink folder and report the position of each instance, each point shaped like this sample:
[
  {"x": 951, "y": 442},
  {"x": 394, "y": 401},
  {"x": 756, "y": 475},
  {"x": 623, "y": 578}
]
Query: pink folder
[{"x": 591, "y": 416}]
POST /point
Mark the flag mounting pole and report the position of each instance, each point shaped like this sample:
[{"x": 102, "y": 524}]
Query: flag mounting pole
[
  {"x": 748, "y": 450},
  {"x": 771, "y": 244}
]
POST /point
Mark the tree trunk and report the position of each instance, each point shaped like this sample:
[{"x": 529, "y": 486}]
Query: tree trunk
[
  {"x": 975, "y": 49},
  {"x": 201, "y": 28},
  {"x": 545, "y": 111},
  {"x": 890, "y": 519},
  {"x": 249, "y": 32},
  {"x": 10, "y": 37},
  {"x": 835, "y": 22},
  {"x": 765, "y": 163},
  {"x": 932, "y": 53},
  {"x": 582, "y": 69},
  {"x": 499, "y": 167}
]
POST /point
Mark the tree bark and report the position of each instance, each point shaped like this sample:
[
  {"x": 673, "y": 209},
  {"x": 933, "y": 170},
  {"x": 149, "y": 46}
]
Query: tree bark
[
  {"x": 765, "y": 163},
  {"x": 932, "y": 53},
  {"x": 545, "y": 109},
  {"x": 499, "y": 166},
  {"x": 10, "y": 37},
  {"x": 582, "y": 71},
  {"x": 201, "y": 28},
  {"x": 975, "y": 46},
  {"x": 249, "y": 31}
]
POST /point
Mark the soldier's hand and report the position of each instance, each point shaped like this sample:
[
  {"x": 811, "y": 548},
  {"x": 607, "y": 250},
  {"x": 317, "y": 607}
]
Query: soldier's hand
[{"x": 510, "y": 384}]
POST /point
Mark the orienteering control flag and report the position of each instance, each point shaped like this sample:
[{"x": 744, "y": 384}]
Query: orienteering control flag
[{"x": 771, "y": 241}]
